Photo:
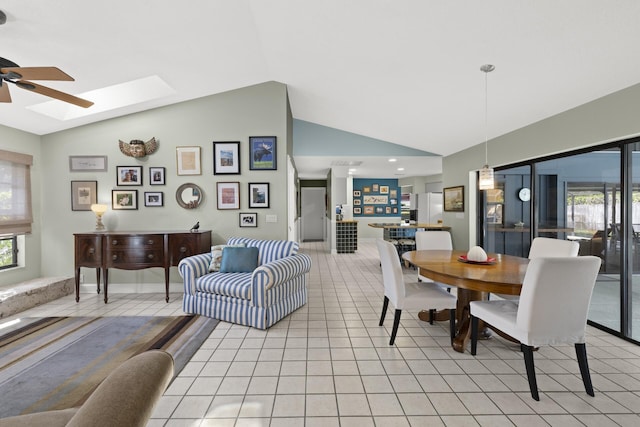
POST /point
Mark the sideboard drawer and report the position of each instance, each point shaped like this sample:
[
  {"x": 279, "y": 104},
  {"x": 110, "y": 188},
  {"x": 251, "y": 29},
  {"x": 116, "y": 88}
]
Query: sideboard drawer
[
  {"x": 182, "y": 245},
  {"x": 135, "y": 241},
  {"x": 126, "y": 258},
  {"x": 88, "y": 250}
]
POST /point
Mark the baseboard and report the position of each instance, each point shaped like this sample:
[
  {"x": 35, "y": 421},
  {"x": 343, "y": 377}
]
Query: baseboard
[{"x": 132, "y": 288}]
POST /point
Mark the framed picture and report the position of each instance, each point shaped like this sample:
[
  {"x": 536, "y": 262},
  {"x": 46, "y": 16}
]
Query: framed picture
[
  {"x": 153, "y": 198},
  {"x": 357, "y": 202},
  {"x": 262, "y": 153},
  {"x": 357, "y": 211},
  {"x": 83, "y": 195},
  {"x": 375, "y": 188},
  {"x": 384, "y": 189},
  {"x": 356, "y": 193},
  {"x": 226, "y": 158},
  {"x": 228, "y": 195},
  {"x": 248, "y": 219},
  {"x": 124, "y": 199},
  {"x": 258, "y": 194},
  {"x": 156, "y": 176},
  {"x": 368, "y": 210},
  {"x": 393, "y": 193},
  {"x": 366, "y": 189},
  {"x": 128, "y": 175},
  {"x": 454, "y": 199},
  {"x": 88, "y": 163},
  {"x": 188, "y": 159}
]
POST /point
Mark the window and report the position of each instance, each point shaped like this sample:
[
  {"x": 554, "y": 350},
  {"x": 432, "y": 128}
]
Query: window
[
  {"x": 15, "y": 193},
  {"x": 8, "y": 252}
]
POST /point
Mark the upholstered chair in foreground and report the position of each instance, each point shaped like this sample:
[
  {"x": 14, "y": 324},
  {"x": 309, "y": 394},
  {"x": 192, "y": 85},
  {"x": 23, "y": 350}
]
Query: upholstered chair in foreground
[
  {"x": 409, "y": 296},
  {"x": 125, "y": 398},
  {"x": 552, "y": 310}
]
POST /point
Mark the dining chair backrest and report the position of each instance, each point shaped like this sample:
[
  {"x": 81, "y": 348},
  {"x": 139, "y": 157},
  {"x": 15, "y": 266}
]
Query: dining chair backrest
[
  {"x": 555, "y": 298},
  {"x": 391, "y": 273},
  {"x": 547, "y": 247},
  {"x": 433, "y": 240}
]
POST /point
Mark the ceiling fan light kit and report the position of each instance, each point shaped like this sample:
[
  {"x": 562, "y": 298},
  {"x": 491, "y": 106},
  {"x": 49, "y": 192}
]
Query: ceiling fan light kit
[{"x": 10, "y": 72}]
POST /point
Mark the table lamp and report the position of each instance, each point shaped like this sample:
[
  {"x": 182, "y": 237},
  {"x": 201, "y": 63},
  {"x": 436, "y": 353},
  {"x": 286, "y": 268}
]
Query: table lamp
[{"x": 99, "y": 210}]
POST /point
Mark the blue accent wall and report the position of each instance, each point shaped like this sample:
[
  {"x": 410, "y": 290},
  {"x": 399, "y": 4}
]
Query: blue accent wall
[
  {"x": 312, "y": 139},
  {"x": 376, "y": 197}
]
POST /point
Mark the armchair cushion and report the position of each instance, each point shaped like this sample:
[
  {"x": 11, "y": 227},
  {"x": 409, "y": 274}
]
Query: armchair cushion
[
  {"x": 216, "y": 255},
  {"x": 234, "y": 285},
  {"x": 239, "y": 260}
]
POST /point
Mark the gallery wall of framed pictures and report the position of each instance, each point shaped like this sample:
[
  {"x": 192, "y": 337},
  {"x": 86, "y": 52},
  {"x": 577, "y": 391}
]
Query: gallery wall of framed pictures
[
  {"x": 376, "y": 197},
  {"x": 135, "y": 178}
]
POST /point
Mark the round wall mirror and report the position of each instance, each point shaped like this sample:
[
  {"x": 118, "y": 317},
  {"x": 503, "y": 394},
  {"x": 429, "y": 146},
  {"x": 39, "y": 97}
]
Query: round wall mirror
[{"x": 189, "y": 196}]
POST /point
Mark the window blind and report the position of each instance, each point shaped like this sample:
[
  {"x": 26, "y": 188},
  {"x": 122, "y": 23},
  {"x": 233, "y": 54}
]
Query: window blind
[{"x": 15, "y": 193}]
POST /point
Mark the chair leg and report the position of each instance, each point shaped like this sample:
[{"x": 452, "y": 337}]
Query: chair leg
[
  {"x": 581, "y": 353},
  {"x": 385, "y": 305},
  {"x": 396, "y": 323},
  {"x": 452, "y": 323},
  {"x": 432, "y": 315},
  {"x": 474, "y": 335},
  {"x": 527, "y": 350}
]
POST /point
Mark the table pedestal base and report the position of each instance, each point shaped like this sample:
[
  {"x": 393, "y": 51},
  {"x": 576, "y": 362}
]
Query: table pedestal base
[{"x": 463, "y": 319}]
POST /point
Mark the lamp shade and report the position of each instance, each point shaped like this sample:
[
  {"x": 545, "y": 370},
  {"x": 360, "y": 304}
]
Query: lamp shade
[
  {"x": 98, "y": 208},
  {"x": 486, "y": 179}
]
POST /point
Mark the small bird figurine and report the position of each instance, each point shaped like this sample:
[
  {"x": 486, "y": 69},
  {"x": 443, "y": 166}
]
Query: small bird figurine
[{"x": 195, "y": 227}]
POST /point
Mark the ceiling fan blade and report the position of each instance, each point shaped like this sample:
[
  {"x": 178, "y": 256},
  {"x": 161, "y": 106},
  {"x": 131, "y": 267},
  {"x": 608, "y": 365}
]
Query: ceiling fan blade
[
  {"x": 47, "y": 91},
  {"x": 5, "y": 96},
  {"x": 38, "y": 73}
]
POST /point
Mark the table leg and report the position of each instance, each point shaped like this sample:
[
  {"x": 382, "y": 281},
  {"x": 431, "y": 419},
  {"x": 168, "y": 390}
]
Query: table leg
[
  {"x": 106, "y": 284},
  {"x": 77, "y": 284},
  {"x": 465, "y": 296},
  {"x": 166, "y": 284},
  {"x": 98, "y": 280}
]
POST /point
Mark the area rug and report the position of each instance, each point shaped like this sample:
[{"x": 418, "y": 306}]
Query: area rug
[{"x": 56, "y": 362}]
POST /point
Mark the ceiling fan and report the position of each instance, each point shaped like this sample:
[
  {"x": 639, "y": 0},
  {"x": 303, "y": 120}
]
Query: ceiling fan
[{"x": 10, "y": 72}]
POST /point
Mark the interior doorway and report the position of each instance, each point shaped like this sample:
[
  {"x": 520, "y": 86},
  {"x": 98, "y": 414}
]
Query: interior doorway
[{"x": 313, "y": 214}]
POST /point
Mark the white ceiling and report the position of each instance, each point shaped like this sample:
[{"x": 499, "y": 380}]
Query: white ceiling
[{"x": 402, "y": 71}]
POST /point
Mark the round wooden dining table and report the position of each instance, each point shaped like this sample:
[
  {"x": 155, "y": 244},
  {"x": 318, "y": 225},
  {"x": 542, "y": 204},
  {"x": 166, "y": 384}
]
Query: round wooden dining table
[{"x": 474, "y": 281}]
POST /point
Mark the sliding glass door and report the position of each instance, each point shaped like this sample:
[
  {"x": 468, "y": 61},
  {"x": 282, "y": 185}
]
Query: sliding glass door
[{"x": 579, "y": 197}]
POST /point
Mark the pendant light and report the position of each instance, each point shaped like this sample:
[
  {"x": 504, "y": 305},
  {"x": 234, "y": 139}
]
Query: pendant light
[{"x": 486, "y": 181}]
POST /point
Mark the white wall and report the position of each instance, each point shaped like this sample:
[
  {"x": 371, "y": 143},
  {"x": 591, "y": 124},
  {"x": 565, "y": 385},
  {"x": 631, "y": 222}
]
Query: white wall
[
  {"x": 611, "y": 118},
  {"x": 232, "y": 116}
]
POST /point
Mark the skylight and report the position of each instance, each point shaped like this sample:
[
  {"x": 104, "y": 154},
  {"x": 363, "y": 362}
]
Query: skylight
[{"x": 108, "y": 98}]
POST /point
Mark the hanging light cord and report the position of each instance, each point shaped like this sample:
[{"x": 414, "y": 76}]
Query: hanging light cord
[
  {"x": 486, "y": 116},
  {"x": 487, "y": 69}
]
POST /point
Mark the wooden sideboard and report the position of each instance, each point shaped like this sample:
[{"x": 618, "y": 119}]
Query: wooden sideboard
[{"x": 135, "y": 251}]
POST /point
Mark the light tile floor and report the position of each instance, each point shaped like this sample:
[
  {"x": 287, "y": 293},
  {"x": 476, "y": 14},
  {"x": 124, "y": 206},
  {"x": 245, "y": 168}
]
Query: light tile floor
[{"x": 329, "y": 364}]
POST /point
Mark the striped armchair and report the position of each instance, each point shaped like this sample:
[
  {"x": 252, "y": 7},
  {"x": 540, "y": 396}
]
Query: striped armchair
[{"x": 259, "y": 299}]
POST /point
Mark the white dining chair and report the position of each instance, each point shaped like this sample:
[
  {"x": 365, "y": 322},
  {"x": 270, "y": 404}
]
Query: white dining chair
[
  {"x": 433, "y": 240},
  {"x": 410, "y": 296},
  {"x": 552, "y": 310},
  {"x": 550, "y": 248}
]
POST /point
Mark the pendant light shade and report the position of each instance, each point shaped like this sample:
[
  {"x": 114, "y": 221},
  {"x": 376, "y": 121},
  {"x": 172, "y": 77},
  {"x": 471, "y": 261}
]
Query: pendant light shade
[{"x": 487, "y": 180}]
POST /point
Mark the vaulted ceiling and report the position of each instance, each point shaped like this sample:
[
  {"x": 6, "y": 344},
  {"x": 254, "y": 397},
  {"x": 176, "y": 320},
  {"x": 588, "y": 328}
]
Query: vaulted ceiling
[{"x": 402, "y": 71}]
